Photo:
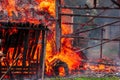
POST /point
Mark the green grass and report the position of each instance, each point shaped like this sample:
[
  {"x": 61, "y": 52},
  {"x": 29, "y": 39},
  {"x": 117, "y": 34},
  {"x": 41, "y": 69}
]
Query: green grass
[{"x": 87, "y": 78}]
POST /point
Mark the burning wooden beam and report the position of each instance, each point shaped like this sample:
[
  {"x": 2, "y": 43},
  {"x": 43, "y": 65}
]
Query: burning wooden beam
[
  {"x": 26, "y": 44},
  {"x": 43, "y": 53},
  {"x": 37, "y": 34},
  {"x": 9, "y": 25}
]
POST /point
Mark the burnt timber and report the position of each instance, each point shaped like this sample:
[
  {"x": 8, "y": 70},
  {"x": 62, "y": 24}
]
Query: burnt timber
[{"x": 26, "y": 32}]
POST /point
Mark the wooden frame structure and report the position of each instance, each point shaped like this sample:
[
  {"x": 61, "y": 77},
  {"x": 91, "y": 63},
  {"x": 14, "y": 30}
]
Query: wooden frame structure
[{"x": 59, "y": 14}]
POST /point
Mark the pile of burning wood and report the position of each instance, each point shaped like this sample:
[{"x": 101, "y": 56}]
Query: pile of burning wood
[{"x": 102, "y": 66}]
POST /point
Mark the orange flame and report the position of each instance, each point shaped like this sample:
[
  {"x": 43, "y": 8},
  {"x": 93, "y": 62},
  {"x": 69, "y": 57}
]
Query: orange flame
[
  {"x": 102, "y": 66},
  {"x": 62, "y": 71},
  {"x": 9, "y": 5},
  {"x": 67, "y": 54},
  {"x": 47, "y": 6}
]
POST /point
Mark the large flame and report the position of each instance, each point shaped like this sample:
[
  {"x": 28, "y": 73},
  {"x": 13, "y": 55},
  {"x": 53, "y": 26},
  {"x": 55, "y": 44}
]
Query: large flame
[{"x": 67, "y": 54}]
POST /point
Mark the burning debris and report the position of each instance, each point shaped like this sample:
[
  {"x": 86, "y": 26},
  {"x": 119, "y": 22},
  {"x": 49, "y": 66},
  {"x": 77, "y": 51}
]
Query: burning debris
[
  {"x": 102, "y": 67},
  {"x": 25, "y": 39}
]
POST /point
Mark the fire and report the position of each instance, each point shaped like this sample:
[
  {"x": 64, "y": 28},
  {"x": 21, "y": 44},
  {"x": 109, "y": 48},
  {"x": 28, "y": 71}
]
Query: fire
[
  {"x": 102, "y": 65},
  {"x": 67, "y": 55},
  {"x": 9, "y": 5},
  {"x": 58, "y": 63},
  {"x": 48, "y": 6},
  {"x": 61, "y": 71},
  {"x": 66, "y": 51}
]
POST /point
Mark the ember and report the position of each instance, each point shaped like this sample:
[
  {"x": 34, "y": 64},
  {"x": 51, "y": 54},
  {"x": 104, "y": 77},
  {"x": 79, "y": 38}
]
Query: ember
[{"x": 102, "y": 66}]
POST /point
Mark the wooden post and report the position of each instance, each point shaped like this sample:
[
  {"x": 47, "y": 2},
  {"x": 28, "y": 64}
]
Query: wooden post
[
  {"x": 58, "y": 25},
  {"x": 27, "y": 34},
  {"x": 43, "y": 53},
  {"x": 101, "y": 46},
  {"x": 0, "y": 69},
  {"x": 119, "y": 50},
  {"x": 119, "y": 32}
]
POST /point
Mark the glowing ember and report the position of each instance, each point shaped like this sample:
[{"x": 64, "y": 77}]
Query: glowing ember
[
  {"x": 61, "y": 71},
  {"x": 103, "y": 65}
]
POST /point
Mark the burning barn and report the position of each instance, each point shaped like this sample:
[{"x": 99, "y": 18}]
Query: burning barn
[
  {"x": 44, "y": 38},
  {"x": 27, "y": 34}
]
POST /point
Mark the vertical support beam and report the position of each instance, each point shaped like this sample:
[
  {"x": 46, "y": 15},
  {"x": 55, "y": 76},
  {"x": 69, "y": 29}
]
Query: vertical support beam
[
  {"x": 0, "y": 50},
  {"x": 119, "y": 33},
  {"x": 43, "y": 53},
  {"x": 119, "y": 50},
  {"x": 101, "y": 46},
  {"x": 58, "y": 25},
  {"x": 26, "y": 42},
  {"x": 37, "y": 35},
  {"x": 0, "y": 69},
  {"x": 25, "y": 47}
]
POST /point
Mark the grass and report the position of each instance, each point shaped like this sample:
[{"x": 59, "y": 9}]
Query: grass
[{"x": 88, "y": 78}]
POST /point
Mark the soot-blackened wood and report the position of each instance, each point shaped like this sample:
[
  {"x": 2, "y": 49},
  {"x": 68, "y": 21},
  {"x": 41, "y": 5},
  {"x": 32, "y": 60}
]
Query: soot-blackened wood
[
  {"x": 37, "y": 35},
  {"x": 30, "y": 49},
  {"x": 26, "y": 42},
  {"x": 37, "y": 63},
  {"x": 31, "y": 44},
  {"x": 7, "y": 43},
  {"x": 8, "y": 40},
  {"x": 21, "y": 34},
  {"x": 20, "y": 40},
  {"x": 43, "y": 53},
  {"x": 0, "y": 69},
  {"x": 16, "y": 45},
  {"x": 42, "y": 50}
]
